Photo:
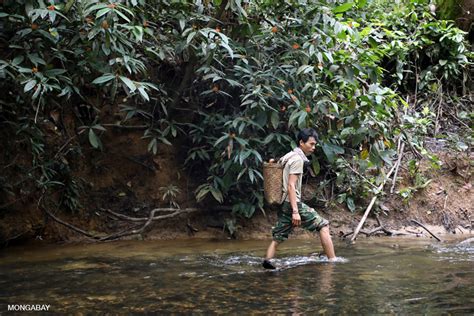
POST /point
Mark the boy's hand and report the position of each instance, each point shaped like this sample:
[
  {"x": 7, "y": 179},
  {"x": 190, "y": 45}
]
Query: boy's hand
[{"x": 296, "y": 219}]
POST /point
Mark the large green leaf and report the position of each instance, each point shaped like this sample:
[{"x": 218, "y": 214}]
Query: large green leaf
[
  {"x": 331, "y": 150},
  {"x": 102, "y": 12},
  {"x": 217, "y": 194},
  {"x": 129, "y": 83},
  {"x": 315, "y": 166},
  {"x": 103, "y": 78},
  {"x": 343, "y": 7},
  {"x": 29, "y": 85},
  {"x": 93, "y": 139}
]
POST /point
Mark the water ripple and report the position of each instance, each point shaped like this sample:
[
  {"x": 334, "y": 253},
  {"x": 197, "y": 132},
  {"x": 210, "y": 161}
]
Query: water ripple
[{"x": 462, "y": 251}]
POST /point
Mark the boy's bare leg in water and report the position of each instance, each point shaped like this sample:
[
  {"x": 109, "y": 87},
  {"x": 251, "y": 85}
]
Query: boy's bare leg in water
[
  {"x": 327, "y": 244},
  {"x": 270, "y": 254},
  {"x": 271, "y": 250}
]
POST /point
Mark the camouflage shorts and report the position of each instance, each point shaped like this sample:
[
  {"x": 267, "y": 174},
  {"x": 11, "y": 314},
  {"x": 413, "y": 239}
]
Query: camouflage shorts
[{"x": 310, "y": 220}]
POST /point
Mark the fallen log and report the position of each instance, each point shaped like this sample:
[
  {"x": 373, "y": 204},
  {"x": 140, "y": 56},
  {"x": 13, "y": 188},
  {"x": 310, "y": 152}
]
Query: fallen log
[
  {"x": 371, "y": 204},
  {"x": 399, "y": 162}
]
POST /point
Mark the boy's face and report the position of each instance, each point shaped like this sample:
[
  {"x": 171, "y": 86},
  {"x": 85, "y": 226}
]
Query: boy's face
[{"x": 308, "y": 147}]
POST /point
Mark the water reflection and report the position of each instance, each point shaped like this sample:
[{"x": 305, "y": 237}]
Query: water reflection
[{"x": 380, "y": 276}]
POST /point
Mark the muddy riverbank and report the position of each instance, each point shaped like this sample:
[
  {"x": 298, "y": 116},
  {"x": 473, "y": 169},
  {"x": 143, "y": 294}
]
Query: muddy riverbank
[{"x": 444, "y": 206}]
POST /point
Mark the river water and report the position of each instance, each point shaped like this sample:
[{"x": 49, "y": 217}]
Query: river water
[{"x": 374, "y": 276}]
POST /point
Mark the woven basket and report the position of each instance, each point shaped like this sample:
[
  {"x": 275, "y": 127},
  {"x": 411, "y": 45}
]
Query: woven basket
[{"x": 272, "y": 182}]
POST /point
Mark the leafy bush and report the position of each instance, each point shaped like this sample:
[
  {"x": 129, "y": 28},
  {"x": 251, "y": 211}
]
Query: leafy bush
[{"x": 239, "y": 78}]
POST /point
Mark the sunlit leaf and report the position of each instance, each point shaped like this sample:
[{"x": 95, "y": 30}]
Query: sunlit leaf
[
  {"x": 103, "y": 79},
  {"x": 129, "y": 83},
  {"x": 343, "y": 7},
  {"x": 29, "y": 85},
  {"x": 102, "y": 12}
]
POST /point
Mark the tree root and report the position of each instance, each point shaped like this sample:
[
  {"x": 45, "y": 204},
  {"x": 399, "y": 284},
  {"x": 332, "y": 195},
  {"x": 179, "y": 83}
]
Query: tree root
[
  {"x": 131, "y": 232},
  {"x": 174, "y": 212},
  {"x": 137, "y": 229},
  {"x": 70, "y": 226},
  {"x": 381, "y": 229}
]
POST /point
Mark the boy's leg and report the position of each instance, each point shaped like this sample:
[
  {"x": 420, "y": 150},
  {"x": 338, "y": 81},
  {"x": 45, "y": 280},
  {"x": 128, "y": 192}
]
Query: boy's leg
[
  {"x": 326, "y": 242},
  {"x": 271, "y": 250},
  {"x": 312, "y": 221},
  {"x": 280, "y": 232},
  {"x": 270, "y": 254}
]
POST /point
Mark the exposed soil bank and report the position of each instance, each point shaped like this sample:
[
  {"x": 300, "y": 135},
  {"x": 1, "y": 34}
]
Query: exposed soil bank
[{"x": 445, "y": 206}]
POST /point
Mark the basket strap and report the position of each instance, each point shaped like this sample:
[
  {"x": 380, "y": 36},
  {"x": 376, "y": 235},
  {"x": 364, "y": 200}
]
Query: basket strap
[{"x": 284, "y": 164}]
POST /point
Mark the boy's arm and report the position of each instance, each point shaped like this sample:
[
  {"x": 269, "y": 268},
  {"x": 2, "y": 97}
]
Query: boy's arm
[{"x": 292, "y": 179}]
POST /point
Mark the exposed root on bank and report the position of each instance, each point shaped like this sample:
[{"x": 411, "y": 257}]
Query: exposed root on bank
[
  {"x": 70, "y": 226},
  {"x": 380, "y": 230},
  {"x": 135, "y": 230},
  {"x": 174, "y": 212}
]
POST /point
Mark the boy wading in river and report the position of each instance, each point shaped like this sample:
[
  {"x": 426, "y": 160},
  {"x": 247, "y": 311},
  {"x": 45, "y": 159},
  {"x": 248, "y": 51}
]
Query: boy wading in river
[{"x": 293, "y": 212}]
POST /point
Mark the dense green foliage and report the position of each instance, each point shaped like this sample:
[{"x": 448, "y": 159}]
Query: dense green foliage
[{"x": 238, "y": 78}]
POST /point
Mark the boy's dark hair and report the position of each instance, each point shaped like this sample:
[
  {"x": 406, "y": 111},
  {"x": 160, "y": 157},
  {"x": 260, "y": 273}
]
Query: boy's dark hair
[{"x": 305, "y": 134}]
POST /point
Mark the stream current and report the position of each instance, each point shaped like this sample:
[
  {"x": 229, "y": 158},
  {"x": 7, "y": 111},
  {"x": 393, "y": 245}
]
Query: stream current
[{"x": 373, "y": 276}]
